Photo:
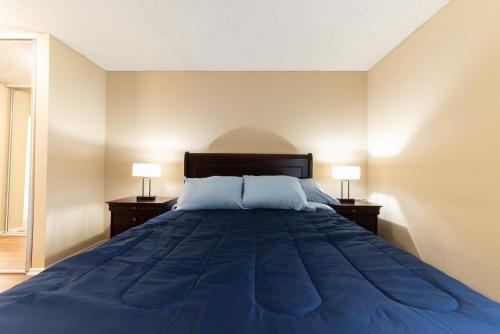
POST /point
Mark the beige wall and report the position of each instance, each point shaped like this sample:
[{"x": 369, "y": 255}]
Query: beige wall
[
  {"x": 434, "y": 143},
  {"x": 70, "y": 108},
  {"x": 156, "y": 116},
  {"x": 75, "y": 158},
  {"x": 4, "y": 148},
  {"x": 41, "y": 115}
]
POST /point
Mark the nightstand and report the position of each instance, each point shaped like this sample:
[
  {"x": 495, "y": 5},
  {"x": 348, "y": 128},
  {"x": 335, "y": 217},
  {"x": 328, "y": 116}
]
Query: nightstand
[
  {"x": 360, "y": 212},
  {"x": 129, "y": 212}
]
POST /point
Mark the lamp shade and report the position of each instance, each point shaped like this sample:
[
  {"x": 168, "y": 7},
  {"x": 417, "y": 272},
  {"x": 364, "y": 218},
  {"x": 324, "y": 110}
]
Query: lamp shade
[
  {"x": 146, "y": 170},
  {"x": 346, "y": 172}
]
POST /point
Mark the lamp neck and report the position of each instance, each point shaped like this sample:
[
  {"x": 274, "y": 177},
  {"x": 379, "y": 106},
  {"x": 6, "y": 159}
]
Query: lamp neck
[
  {"x": 149, "y": 187},
  {"x": 342, "y": 189}
]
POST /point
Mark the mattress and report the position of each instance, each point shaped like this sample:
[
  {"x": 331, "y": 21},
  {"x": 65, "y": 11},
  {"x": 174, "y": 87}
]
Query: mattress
[{"x": 245, "y": 271}]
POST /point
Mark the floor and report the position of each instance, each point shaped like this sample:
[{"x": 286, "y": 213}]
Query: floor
[
  {"x": 7, "y": 281},
  {"x": 12, "y": 252},
  {"x": 12, "y": 257}
]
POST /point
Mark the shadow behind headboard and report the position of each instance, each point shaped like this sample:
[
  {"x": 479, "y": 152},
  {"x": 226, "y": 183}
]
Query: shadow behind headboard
[{"x": 239, "y": 164}]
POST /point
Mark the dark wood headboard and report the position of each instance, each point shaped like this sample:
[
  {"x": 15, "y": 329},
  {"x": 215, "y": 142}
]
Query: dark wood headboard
[{"x": 239, "y": 164}]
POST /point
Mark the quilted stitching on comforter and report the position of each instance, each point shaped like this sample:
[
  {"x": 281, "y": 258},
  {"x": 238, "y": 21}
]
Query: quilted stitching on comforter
[{"x": 245, "y": 271}]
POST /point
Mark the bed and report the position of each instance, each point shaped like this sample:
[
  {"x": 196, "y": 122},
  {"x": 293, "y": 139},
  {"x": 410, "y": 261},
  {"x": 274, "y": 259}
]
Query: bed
[{"x": 245, "y": 271}]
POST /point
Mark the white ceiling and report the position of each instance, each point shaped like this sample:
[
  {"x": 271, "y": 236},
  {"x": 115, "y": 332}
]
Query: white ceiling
[
  {"x": 16, "y": 61},
  {"x": 323, "y": 35}
]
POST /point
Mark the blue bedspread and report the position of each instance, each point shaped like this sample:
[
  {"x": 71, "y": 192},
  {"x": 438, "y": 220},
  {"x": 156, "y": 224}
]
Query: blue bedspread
[{"x": 245, "y": 271}]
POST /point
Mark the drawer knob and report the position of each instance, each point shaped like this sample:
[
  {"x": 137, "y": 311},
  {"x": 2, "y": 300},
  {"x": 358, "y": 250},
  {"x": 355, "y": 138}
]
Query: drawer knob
[
  {"x": 353, "y": 210},
  {"x": 134, "y": 208},
  {"x": 134, "y": 219}
]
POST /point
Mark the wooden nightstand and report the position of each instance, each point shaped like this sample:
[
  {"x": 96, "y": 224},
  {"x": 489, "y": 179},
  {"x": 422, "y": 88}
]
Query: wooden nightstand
[
  {"x": 128, "y": 212},
  {"x": 360, "y": 212}
]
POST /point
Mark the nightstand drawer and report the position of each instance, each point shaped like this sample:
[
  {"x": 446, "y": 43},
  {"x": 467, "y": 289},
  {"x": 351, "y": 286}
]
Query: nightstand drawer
[
  {"x": 122, "y": 220},
  {"x": 362, "y": 213},
  {"x": 357, "y": 212},
  {"x": 368, "y": 223},
  {"x": 144, "y": 215},
  {"x": 128, "y": 212}
]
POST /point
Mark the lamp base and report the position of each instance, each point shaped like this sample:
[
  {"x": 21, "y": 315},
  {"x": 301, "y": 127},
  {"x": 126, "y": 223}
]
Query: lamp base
[
  {"x": 146, "y": 198},
  {"x": 347, "y": 200}
]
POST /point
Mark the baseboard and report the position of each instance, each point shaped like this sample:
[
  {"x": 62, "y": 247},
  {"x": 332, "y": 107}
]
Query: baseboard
[
  {"x": 94, "y": 245},
  {"x": 36, "y": 271},
  {"x": 12, "y": 271}
]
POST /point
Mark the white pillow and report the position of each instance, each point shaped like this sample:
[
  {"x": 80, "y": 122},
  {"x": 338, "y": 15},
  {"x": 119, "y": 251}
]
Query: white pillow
[
  {"x": 315, "y": 193},
  {"x": 214, "y": 192},
  {"x": 274, "y": 192}
]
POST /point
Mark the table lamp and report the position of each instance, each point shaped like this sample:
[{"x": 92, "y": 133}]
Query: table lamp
[
  {"x": 346, "y": 173},
  {"x": 146, "y": 171}
]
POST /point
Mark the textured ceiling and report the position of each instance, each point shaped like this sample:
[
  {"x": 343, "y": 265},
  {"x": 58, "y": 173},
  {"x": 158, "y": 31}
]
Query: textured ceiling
[
  {"x": 325, "y": 35},
  {"x": 16, "y": 60}
]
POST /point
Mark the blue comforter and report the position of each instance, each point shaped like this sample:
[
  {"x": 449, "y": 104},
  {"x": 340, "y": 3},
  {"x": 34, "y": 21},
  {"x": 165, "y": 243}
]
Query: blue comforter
[{"x": 245, "y": 271}]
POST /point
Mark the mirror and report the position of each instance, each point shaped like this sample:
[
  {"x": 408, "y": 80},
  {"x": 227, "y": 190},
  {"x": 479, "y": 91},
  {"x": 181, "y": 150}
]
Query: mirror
[{"x": 16, "y": 59}]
